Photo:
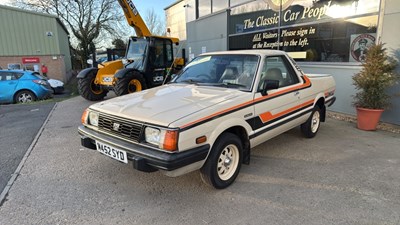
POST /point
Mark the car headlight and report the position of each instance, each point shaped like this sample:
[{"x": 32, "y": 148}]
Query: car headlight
[
  {"x": 93, "y": 118},
  {"x": 152, "y": 135},
  {"x": 164, "y": 139}
]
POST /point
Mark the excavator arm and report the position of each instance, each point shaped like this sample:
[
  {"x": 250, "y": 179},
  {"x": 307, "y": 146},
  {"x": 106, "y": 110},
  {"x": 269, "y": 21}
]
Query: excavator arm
[{"x": 134, "y": 19}]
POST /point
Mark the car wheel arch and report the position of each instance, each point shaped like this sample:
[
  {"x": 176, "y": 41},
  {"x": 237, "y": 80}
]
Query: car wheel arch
[
  {"x": 24, "y": 89},
  {"x": 321, "y": 104},
  {"x": 240, "y": 128}
]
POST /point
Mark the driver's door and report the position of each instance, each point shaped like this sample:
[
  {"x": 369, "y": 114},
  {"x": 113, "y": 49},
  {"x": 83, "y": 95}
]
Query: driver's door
[
  {"x": 163, "y": 58},
  {"x": 275, "y": 110}
]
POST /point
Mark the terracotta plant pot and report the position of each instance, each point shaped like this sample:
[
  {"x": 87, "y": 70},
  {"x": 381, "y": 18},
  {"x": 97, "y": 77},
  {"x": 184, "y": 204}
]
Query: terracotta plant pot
[{"x": 367, "y": 119}]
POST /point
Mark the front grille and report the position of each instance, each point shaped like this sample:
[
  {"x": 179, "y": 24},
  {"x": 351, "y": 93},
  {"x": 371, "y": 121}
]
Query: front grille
[{"x": 121, "y": 127}]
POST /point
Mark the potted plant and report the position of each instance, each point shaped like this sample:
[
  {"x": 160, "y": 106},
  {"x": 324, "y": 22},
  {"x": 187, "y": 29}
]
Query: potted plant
[{"x": 376, "y": 76}]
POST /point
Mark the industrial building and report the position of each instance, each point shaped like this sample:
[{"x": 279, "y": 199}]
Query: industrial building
[
  {"x": 29, "y": 40},
  {"x": 324, "y": 36}
]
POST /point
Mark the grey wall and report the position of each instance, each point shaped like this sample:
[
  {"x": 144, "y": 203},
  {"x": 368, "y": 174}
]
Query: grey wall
[
  {"x": 345, "y": 90},
  {"x": 390, "y": 36},
  {"x": 209, "y": 32}
]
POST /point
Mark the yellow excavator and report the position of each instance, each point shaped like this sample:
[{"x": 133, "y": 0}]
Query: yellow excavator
[{"x": 147, "y": 63}]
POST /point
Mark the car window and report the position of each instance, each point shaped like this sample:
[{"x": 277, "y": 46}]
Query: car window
[
  {"x": 278, "y": 68},
  {"x": 5, "y": 76}
]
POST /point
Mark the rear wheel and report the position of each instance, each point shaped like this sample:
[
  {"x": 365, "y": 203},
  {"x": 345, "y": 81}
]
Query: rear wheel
[
  {"x": 311, "y": 126},
  {"x": 24, "y": 97},
  {"x": 89, "y": 90},
  {"x": 224, "y": 162},
  {"x": 130, "y": 83}
]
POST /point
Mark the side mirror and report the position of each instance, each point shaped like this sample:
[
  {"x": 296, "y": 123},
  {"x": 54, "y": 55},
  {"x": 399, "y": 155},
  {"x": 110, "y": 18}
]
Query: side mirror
[{"x": 269, "y": 85}]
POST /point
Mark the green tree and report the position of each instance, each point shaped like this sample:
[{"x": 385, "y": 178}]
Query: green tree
[
  {"x": 376, "y": 76},
  {"x": 119, "y": 43}
]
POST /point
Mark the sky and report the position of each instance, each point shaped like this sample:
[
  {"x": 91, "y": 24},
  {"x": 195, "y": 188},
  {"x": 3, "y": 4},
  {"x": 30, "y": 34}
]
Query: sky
[{"x": 141, "y": 5}]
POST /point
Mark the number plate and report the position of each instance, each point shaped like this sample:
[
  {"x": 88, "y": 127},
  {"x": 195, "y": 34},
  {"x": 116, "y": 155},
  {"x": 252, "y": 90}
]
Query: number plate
[{"x": 112, "y": 152}]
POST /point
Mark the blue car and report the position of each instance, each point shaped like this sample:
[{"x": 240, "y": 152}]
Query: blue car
[{"x": 18, "y": 86}]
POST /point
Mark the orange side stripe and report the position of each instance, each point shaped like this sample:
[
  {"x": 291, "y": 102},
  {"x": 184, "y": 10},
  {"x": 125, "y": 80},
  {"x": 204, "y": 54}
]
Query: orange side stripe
[
  {"x": 267, "y": 116},
  {"x": 306, "y": 84},
  {"x": 217, "y": 113}
]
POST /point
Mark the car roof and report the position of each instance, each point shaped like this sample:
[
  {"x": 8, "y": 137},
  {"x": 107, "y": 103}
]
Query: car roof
[
  {"x": 16, "y": 71},
  {"x": 20, "y": 71}
]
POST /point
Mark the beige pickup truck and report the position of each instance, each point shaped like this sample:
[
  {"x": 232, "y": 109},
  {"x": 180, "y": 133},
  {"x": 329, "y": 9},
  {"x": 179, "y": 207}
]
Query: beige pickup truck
[{"x": 210, "y": 115}]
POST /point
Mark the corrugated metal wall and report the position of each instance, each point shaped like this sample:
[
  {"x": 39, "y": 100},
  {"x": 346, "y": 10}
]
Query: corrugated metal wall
[
  {"x": 64, "y": 47},
  {"x": 25, "y": 33}
]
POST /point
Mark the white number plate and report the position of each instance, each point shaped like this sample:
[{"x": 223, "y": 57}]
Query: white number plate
[{"x": 112, "y": 152}]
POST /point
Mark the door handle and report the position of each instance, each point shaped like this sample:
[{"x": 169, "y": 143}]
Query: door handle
[{"x": 296, "y": 93}]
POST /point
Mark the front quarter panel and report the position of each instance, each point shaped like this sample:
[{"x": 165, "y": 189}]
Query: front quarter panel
[{"x": 212, "y": 122}]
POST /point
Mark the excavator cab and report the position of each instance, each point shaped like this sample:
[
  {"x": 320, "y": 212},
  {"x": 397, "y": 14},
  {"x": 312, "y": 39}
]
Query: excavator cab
[
  {"x": 151, "y": 56},
  {"x": 148, "y": 62}
]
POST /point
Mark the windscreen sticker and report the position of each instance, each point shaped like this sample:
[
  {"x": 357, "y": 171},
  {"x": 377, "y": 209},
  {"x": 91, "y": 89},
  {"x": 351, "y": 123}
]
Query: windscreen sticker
[{"x": 198, "y": 61}]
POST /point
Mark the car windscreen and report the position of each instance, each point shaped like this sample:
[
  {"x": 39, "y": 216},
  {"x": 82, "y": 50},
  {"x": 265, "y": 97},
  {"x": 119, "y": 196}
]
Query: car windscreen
[{"x": 230, "y": 71}]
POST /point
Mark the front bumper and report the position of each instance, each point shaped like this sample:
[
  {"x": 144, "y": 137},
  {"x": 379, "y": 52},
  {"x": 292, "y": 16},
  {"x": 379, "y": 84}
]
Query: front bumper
[
  {"x": 58, "y": 90},
  {"x": 144, "y": 158}
]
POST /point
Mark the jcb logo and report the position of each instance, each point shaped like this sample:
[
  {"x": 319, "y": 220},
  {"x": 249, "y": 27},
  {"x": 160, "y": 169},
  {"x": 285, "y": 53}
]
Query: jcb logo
[
  {"x": 134, "y": 10},
  {"x": 158, "y": 78}
]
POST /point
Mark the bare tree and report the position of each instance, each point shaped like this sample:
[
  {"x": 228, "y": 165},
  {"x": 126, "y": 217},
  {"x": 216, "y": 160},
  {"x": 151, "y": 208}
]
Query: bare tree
[
  {"x": 155, "y": 23},
  {"x": 87, "y": 20}
]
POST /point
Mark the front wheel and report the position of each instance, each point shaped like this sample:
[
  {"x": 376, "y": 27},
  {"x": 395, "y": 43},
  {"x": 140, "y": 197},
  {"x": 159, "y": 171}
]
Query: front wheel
[
  {"x": 89, "y": 89},
  {"x": 224, "y": 162},
  {"x": 311, "y": 126},
  {"x": 130, "y": 83}
]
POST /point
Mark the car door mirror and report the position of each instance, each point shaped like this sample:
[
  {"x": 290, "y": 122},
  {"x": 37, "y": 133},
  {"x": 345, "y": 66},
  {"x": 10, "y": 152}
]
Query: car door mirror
[{"x": 269, "y": 85}]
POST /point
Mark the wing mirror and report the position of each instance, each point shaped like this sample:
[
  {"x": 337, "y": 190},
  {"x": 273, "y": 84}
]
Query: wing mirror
[{"x": 269, "y": 85}]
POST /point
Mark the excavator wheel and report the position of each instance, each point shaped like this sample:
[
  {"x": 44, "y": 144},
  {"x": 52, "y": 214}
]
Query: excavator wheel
[
  {"x": 132, "y": 82},
  {"x": 89, "y": 90}
]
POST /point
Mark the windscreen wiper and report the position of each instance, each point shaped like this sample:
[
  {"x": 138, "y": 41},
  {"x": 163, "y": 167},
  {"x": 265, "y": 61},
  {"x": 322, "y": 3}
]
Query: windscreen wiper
[
  {"x": 190, "y": 81},
  {"x": 229, "y": 85}
]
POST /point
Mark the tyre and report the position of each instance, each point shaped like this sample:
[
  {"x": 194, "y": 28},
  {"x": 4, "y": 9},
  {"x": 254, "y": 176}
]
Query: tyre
[
  {"x": 224, "y": 162},
  {"x": 89, "y": 90},
  {"x": 311, "y": 126},
  {"x": 24, "y": 97},
  {"x": 130, "y": 83}
]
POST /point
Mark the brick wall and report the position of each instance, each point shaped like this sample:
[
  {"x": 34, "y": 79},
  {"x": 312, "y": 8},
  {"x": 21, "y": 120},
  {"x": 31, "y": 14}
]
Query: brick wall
[{"x": 55, "y": 65}]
